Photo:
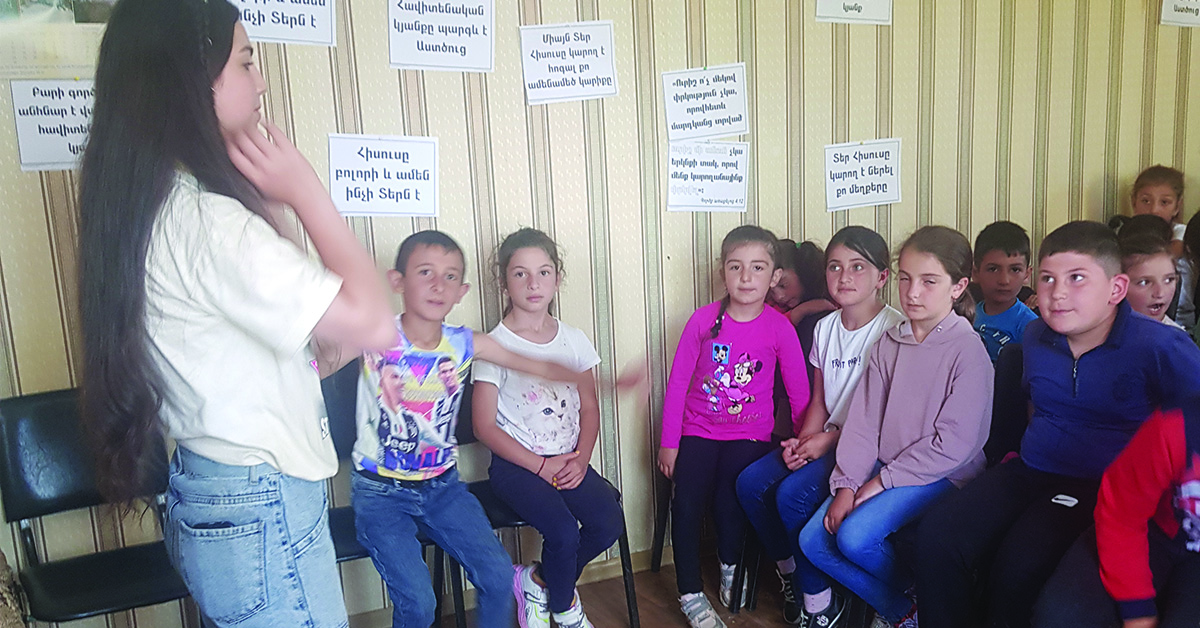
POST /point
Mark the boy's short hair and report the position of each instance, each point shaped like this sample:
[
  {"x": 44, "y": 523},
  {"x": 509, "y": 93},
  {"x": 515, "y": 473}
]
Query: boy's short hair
[
  {"x": 1085, "y": 237},
  {"x": 430, "y": 237},
  {"x": 1002, "y": 235}
]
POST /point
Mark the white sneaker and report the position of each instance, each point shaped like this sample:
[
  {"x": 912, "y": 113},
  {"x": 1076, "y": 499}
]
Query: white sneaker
[
  {"x": 533, "y": 602},
  {"x": 699, "y": 611},
  {"x": 573, "y": 617},
  {"x": 727, "y": 585}
]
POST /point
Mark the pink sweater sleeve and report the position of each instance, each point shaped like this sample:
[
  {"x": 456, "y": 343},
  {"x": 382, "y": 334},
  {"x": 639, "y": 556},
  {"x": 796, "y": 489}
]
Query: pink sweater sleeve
[
  {"x": 858, "y": 446},
  {"x": 682, "y": 370},
  {"x": 794, "y": 372}
]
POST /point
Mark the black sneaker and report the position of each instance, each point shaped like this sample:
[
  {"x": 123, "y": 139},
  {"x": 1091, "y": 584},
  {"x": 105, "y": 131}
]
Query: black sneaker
[
  {"x": 832, "y": 614},
  {"x": 793, "y": 613}
]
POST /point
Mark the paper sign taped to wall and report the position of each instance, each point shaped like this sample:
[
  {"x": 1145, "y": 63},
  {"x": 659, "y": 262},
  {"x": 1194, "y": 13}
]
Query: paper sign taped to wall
[
  {"x": 1181, "y": 12},
  {"x": 855, "y": 11},
  {"x": 289, "y": 21},
  {"x": 381, "y": 175},
  {"x": 456, "y": 37},
  {"x": 53, "y": 119},
  {"x": 705, "y": 102},
  {"x": 566, "y": 62},
  {"x": 707, "y": 176},
  {"x": 861, "y": 174}
]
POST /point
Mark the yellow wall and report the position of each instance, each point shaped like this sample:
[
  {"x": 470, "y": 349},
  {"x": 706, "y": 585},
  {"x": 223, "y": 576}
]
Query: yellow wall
[{"x": 1038, "y": 112}]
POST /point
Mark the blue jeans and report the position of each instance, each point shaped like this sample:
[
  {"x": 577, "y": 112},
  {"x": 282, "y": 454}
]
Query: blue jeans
[
  {"x": 779, "y": 502},
  {"x": 860, "y": 556},
  {"x": 388, "y": 515},
  {"x": 252, "y": 544}
]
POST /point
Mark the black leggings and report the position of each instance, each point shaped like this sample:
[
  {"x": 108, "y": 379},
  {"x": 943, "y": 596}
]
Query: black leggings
[
  {"x": 1009, "y": 528},
  {"x": 707, "y": 470}
]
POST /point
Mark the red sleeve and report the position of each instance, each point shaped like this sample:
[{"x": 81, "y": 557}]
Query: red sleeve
[{"x": 1130, "y": 493}]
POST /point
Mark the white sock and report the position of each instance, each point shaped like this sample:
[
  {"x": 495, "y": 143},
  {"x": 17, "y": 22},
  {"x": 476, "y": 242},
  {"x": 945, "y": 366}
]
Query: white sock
[
  {"x": 727, "y": 569},
  {"x": 786, "y": 567},
  {"x": 817, "y": 602}
]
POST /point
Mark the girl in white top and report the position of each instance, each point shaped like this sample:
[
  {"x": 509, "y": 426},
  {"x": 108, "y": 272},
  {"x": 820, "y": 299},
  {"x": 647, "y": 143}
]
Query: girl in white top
[
  {"x": 201, "y": 313},
  {"x": 782, "y": 491},
  {"x": 542, "y": 434}
]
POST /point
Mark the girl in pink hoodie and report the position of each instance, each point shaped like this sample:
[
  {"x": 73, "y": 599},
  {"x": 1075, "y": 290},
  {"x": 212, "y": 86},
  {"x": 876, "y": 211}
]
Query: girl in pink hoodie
[{"x": 916, "y": 428}]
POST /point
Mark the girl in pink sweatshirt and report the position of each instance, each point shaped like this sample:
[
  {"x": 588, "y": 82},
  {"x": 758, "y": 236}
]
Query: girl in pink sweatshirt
[
  {"x": 718, "y": 412},
  {"x": 915, "y": 429}
]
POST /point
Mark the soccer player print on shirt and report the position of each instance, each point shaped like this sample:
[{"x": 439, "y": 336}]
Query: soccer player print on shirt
[
  {"x": 726, "y": 387},
  {"x": 1187, "y": 503},
  {"x": 417, "y": 417}
]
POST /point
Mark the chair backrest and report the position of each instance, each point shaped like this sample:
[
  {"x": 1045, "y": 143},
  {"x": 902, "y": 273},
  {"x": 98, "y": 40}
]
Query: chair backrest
[
  {"x": 1010, "y": 405},
  {"x": 46, "y": 464},
  {"x": 341, "y": 404}
]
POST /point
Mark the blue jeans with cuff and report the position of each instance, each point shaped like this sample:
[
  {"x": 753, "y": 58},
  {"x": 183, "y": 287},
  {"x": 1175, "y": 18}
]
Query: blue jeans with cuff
[
  {"x": 252, "y": 545},
  {"x": 388, "y": 514},
  {"x": 860, "y": 556}
]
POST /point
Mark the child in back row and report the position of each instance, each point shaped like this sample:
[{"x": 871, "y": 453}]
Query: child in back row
[
  {"x": 542, "y": 435},
  {"x": 1147, "y": 259},
  {"x": 405, "y": 480},
  {"x": 914, "y": 431},
  {"x": 1094, "y": 371},
  {"x": 718, "y": 411},
  {"x": 1158, "y": 191},
  {"x": 1001, "y": 270},
  {"x": 782, "y": 490}
]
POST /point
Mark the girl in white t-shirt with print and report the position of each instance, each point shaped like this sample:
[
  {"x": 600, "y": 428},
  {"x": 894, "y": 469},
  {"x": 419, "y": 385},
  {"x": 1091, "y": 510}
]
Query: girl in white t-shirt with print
[
  {"x": 542, "y": 433},
  {"x": 781, "y": 491}
]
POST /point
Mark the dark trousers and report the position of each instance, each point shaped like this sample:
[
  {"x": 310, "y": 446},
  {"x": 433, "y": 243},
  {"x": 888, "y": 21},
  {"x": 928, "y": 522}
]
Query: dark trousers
[
  {"x": 1008, "y": 528},
  {"x": 707, "y": 470},
  {"x": 577, "y": 525},
  {"x": 1075, "y": 596}
]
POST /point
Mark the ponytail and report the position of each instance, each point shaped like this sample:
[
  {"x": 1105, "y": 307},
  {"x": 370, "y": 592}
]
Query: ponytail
[{"x": 716, "y": 328}]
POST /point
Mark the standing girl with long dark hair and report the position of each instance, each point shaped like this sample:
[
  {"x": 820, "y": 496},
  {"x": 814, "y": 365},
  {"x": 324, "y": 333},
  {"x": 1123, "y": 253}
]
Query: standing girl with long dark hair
[{"x": 200, "y": 314}]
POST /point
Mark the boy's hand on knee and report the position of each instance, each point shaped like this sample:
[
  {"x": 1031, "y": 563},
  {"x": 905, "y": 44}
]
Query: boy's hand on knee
[
  {"x": 842, "y": 504},
  {"x": 666, "y": 461}
]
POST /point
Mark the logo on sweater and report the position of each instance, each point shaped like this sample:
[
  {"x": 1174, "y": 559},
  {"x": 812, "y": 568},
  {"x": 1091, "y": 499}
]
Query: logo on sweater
[
  {"x": 720, "y": 353},
  {"x": 726, "y": 388}
]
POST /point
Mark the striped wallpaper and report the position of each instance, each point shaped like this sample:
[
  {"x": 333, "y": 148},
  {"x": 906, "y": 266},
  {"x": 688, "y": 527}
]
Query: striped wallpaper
[{"x": 1034, "y": 111}]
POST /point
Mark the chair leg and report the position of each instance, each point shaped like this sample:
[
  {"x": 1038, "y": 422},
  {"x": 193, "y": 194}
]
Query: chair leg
[
  {"x": 752, "y": 572},
  {"x": 660, "y": 522},
  {"x": 635, "y": 620},
  {"x": 741, "y": 575},
  {"x": 456, "y": 585},
  {"x": 439, "y": 584}
]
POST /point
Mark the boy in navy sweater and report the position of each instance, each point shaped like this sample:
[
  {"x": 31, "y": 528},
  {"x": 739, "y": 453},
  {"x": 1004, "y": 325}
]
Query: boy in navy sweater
[{"x": 1094, "y": 370}]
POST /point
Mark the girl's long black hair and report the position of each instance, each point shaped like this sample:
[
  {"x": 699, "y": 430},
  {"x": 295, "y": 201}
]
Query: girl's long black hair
[{"x": 153, "y": 116}]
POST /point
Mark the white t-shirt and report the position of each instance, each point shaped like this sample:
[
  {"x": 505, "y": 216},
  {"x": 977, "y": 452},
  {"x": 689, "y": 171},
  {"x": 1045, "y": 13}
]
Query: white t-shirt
[
  {"x": 842, "y": 355},
  {"x": 230, "y": 308},
  {"x": 1185, "y": 313},
  {"x": 541, "y": 415}
]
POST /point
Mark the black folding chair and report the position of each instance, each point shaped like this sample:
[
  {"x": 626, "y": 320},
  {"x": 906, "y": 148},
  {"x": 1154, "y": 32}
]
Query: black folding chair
[{"x": 47, "y": 467}]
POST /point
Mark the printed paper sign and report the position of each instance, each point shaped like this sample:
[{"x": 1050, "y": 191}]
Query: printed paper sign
[
  {"x": 707, "y": 176},
  {"x": 53, "y": 120},
  {"x": 1181, "y": 12},
  {"x": 289, "y": 21},
  {"x": 437, "y": 35},
  {"x": 861, "y": 174},
  {"x": 705, "y": 102},
  {"x": 377, "y": 175},
  {"x": 855, "y": 11},
  {"x": 567, "y": 62}
]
